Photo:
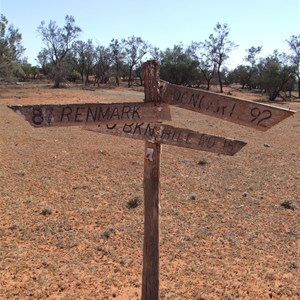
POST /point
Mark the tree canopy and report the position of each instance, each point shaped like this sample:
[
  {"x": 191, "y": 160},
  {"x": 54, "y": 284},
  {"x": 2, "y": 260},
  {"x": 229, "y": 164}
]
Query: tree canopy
[
  {"x": 58, "y": 42},
  {"x": 202, "y": 63},
  {"x": 11, "y": 48},
  {"x": 178, "y": 67},
  {"x": 294, "y": 44}
]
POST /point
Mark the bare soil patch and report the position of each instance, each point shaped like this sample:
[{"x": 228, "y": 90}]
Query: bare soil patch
[{"x": 230, "y": 226}]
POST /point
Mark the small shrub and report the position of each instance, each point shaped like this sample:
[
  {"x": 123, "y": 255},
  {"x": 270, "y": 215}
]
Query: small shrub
[
  {"x": 13, "y": 227},
  {"x": 192, "y": 196},
  {"x": 293, "y": 233},
  {"x": 108, "y": 232},
  {"x": 288, "y": 204},
  {"x": 202, "y": 162},
  {"x": 46, "y": 211},
  {"x": 134, "y": 202},
  {"x": 293, "y": 265}
]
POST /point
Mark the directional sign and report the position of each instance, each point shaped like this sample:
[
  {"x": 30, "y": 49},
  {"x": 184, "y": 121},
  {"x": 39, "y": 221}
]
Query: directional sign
[
  {"x": 243, "y": 112},
  {"x": 166, "y": 134},
  {"x": 80, "y": 114}
]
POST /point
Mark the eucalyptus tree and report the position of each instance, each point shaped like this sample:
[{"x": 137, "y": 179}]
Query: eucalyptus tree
[
  {"x": 43, "y": 61},
  {"x": 178, "y": 66},
  {"x": 276, "y": 74},
  {"x": 84, "y": 55},
  {"x": 35, "y": 71},
  {"x": 26, "y": 67},
  {"x": 240, "y": 75},
  {"x": 135, "y": 48},
  {"x": 205, "y": 57},
  {"x": 11, "y": 48},
  {"x": 218, "y": 47},
  {"x": 59, "y": 41},
  {"x": 117, "y": 55},
  {"x": 252, "y": 71},
  {"x": 103, "y": 61},
  {"x": 294, "y": 44},
  {"x": 155, "y": 53}
]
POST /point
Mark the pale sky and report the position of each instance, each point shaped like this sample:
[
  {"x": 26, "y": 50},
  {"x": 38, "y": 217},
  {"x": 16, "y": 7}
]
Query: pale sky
[{"x": 266, "y": 23}]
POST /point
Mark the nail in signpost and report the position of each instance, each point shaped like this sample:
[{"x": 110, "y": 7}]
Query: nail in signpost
[{"x": 142, "y": 120}]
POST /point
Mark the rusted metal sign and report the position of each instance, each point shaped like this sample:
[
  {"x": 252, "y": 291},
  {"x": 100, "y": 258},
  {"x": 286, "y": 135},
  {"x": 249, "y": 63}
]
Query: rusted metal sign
[
  {"x": 166, "y": 134},
  {"x": 248, "y": 113},
  {"x": 80, "y": 114}
]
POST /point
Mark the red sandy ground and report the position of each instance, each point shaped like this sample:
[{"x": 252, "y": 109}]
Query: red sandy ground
[{"x": 66, "y": 231}]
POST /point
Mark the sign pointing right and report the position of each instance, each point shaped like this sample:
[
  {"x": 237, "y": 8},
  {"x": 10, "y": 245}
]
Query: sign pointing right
[
  {"x": 248, "y": 113},
  {"x": 166, "y": 134}
]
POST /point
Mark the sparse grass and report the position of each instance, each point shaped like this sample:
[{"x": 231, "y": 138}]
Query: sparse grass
[
  {"x": 202, "y": 162},
  {"x": 288, "y": 204},
  {"x": 293, "y": 265},
  {"x": 46, "y": 211},
  {"x": 293, "y": 233},
  {"x": 192, "y": 196},
  {"x": 134, "y": 202},
  {"x": 108, "y": 232}
]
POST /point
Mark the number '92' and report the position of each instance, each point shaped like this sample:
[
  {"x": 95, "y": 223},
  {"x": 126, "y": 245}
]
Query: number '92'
[{"x": 260, "y": 116}]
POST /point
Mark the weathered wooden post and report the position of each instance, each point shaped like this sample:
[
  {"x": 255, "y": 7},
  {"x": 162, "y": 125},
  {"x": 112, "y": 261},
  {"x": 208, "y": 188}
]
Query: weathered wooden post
[{"x": 150, "y": 278}]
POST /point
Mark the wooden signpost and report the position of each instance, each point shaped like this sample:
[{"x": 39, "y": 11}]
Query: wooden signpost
[
  {"x": 150, "y": 276},
  {"x": 143, "y": 121}
]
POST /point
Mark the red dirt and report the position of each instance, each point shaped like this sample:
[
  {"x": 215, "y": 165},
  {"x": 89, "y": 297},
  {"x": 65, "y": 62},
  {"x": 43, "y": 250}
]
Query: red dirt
[{"x": 66, "y": 231}]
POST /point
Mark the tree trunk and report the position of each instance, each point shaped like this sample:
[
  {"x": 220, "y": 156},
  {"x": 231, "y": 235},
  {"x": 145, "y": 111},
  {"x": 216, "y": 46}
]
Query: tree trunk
[
  {"x": 274, "y": 94},
  {"x": 208, "y": 85},
  {"x": 220, "y": 80},
  {"x": 56, "y": 84},
  {"x": 57, "y": 76},
  {"x": 299, "y": 87},
  {"x": 129, "y": 76},
  {"x": 208, "y": 79},
  {"x": 87, "y": 79}
]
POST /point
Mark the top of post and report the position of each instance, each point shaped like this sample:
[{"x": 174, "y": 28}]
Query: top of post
[{"x": 151, "y": 70}]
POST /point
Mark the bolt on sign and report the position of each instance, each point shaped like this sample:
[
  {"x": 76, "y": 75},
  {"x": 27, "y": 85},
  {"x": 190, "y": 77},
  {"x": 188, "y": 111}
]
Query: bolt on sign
[{"x": 143, "y": 121}]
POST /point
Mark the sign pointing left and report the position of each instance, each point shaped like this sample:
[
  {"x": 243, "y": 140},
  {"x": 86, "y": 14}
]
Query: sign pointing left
[{"x": 81, "y": 114}]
